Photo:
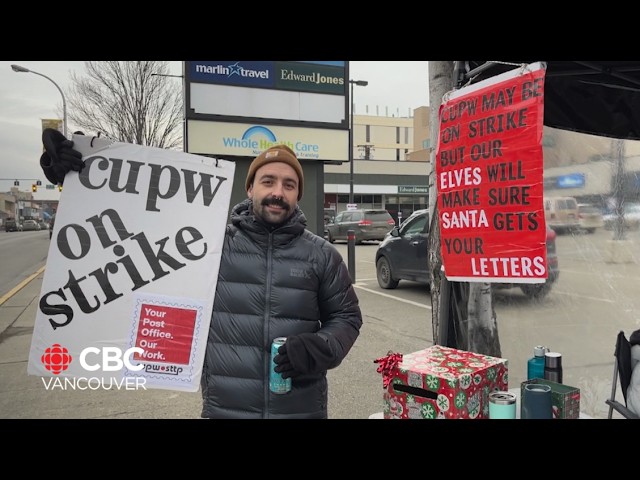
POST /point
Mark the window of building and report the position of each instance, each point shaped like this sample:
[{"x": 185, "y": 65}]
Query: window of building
[{"x": 362, "y": 200}]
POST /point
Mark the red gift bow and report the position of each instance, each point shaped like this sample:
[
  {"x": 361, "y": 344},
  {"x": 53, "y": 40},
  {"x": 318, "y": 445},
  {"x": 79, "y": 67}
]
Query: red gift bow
[{"x": 387, "y": 364}]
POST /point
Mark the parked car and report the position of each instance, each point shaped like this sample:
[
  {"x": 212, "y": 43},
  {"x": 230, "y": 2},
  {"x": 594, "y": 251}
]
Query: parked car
[
  {"x": 31, "y": 225},
  {"x": 367, "y": 224},
  {"x": 561, "y": 213},
  {"x": 329, "y": 215},
  {"x": 43, "y": 225},
  {"x": 630, "y": 213},
  {"x": 12, "y": 225},
  {"x": 403, "y": 255},
  {"x": 589, "y": 217}
]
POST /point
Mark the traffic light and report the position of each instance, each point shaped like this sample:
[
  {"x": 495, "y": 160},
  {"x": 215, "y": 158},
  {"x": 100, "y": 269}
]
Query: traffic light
[
  {"x": 59, "y": 188},
  {"x": 34, "y": 187}
]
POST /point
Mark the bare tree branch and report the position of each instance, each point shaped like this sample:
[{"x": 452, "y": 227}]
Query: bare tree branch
[{"x": 126, "y": 102}]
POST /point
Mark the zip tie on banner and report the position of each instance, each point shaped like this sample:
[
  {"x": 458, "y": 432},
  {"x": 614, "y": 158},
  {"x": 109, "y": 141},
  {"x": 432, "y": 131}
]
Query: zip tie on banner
[
  {"x": 445, "y": 97},
  {"x": 93, "y": 138},
  {"x": 212, "y": 158}
]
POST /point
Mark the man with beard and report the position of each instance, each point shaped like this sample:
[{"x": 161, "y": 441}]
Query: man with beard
[{"x": 276, "y": 279}]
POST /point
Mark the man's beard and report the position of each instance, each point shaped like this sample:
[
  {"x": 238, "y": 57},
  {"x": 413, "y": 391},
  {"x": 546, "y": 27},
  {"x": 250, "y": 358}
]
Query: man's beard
[{"x": 270, "y": 217}]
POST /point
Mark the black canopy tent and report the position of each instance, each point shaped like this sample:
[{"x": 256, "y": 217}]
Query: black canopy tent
[{"x": 593, "y": 97}]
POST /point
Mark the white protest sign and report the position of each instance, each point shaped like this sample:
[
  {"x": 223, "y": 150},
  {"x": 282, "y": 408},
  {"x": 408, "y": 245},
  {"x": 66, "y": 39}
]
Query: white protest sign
[{"x": 132, "y": 268}]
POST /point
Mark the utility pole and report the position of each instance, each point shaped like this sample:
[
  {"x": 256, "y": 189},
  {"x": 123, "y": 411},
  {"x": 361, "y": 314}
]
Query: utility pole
[
  {"x": 360, "y": 83},
  {"x": 619, "y": 187},
  {"x": 440, "y": 82},
  {"x": 463, "y": 316}
]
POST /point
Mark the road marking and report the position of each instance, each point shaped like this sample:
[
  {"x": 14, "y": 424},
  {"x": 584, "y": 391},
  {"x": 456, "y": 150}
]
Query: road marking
[
  {"x": 18, "y": 287},
  {"x": 569, "y": 294},
  {"x": 415, "y": 304},
  {"x": 584, "y": 296},
  {"x": 600, "y": 274}
]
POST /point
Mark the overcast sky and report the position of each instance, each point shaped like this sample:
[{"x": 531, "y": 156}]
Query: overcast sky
[{"x": 395, "y": 88}]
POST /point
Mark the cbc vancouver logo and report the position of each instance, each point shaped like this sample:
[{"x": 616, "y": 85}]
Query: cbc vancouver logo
[{"x": 57, "y": 359}]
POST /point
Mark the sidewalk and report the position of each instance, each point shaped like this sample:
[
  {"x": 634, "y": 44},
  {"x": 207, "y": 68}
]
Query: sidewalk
[{"x": 24, "y": 396}]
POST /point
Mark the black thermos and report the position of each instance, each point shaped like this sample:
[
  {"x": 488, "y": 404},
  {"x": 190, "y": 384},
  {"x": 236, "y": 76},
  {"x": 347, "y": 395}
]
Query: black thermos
[{"x": 553, "y": 367}]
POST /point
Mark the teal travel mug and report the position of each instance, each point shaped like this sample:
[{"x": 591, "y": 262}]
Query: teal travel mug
[{"x": 502, "y": 405}]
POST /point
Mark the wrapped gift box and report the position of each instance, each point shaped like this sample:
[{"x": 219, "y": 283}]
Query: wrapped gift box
[
  {"x": 443, "y": 382},
  {"x": 565, "y": 400}
]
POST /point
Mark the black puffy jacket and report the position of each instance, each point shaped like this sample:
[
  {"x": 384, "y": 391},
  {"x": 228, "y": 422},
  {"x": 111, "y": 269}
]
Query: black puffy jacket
[{"x": 274, "y": 284}]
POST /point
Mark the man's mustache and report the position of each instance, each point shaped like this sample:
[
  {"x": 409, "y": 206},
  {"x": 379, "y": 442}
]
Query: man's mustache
[{"x": 277, "y": 202}]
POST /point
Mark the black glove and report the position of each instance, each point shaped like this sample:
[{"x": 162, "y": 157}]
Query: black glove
[
  {"x": 59, "y": 157},
  {"x": 302, "y": 354}
]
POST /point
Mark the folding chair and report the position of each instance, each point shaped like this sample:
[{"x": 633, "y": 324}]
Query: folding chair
[{"x": 622, "y": 372}]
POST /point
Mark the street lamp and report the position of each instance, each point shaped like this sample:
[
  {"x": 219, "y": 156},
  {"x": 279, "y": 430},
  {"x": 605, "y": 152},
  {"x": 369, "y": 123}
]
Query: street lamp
[
  {"x": 18, "y": 68},
  {"x": 360, "y": 83}
]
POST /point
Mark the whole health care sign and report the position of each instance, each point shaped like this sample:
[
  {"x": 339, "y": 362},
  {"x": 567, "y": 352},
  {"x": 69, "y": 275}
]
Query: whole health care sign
[
  {"x": 132, "y": 267},
  {"x": 489, "y": 170}
]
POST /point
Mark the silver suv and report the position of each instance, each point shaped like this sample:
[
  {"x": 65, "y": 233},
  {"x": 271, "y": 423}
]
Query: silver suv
[{"x": 367, "y": 224}]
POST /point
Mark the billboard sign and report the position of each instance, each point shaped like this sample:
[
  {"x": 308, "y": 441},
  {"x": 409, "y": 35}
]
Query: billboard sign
[
  {"x": 297, "y": 76},
  {"x": 249, "y": 140}
]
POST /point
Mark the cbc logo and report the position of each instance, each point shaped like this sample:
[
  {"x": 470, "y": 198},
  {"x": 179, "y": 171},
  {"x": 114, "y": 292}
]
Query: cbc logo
[{"x": 57, "y": 359}]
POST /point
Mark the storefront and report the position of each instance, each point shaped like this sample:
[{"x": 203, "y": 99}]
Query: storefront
[{"x": 400, "y": 203}]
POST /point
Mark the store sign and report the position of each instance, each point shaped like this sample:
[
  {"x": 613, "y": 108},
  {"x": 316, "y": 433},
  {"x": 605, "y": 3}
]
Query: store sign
[
  {"x": 249, "y": 140},
  {"x": 260, "y": 74},
  {"x": 306, "y": 77},
  {"x": 298, "y": 76},
  {"x": 574, "y": 180},
  {"x": 413, "y": 189}
]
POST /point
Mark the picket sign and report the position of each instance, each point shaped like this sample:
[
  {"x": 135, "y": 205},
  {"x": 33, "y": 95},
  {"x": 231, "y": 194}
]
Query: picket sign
[{"x": 132, "y": 268}]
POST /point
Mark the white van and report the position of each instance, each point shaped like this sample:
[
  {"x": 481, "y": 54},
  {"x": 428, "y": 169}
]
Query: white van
[{"x": 561, "y": 214}]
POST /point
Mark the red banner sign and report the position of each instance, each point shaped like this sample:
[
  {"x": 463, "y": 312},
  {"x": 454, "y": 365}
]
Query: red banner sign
[{"x": 489, "y": 169}]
